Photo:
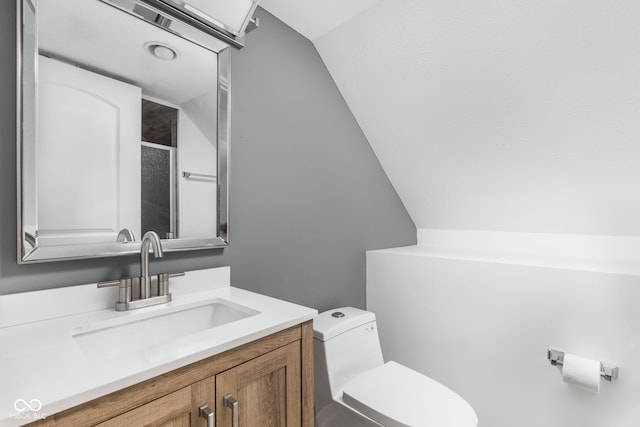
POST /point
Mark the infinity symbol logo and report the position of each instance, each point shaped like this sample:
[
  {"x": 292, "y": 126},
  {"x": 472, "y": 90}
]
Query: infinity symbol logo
[{"x": 22, "y": 405}]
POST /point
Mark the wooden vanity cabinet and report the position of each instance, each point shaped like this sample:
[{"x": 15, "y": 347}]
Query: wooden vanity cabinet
[
  {"x": 267, "y": 389},
  {"x": 178, "y": 409},
  {"x": 271, "y": 379}
]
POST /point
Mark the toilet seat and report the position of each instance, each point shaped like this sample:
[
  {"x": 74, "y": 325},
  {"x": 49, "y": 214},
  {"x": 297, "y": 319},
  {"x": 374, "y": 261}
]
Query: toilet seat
[{"x": 396, "y": 396}]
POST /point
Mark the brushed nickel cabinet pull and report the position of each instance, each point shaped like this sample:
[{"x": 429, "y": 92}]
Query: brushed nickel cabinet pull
[
  {"x": 206, "y": 413},
  {"x": 232, "y": 403}
]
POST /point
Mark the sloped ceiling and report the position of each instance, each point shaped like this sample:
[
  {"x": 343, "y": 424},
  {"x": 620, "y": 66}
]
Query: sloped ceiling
[
  {"x": 313, "y": 19},
  {"x": 504, "y": 115}
]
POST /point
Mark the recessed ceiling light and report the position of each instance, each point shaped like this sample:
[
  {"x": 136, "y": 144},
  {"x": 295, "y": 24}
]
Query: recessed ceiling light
[{"x": 161, "y": 50}]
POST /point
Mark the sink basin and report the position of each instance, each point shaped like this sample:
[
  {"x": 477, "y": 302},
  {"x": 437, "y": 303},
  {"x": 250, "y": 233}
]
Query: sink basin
[{"x": 152, "y": 330}]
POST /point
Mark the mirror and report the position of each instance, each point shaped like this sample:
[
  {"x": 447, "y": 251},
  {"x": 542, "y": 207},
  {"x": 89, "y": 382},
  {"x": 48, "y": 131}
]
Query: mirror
[
  {"x": 227, "y": 20},
  {"x": 123, "y": 128}
]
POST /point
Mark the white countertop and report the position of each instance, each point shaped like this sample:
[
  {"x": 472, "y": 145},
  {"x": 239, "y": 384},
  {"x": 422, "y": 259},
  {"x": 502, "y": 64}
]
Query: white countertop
[{"x": 43, "y": 370}]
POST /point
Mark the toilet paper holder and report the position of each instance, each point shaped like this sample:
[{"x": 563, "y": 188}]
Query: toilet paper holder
[{"x": 607, "y": 371}]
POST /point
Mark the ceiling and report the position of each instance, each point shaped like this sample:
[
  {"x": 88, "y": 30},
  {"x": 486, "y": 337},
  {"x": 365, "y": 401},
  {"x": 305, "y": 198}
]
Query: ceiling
[
  {"x": 69, "y": 31},
  {"x": 508, "y": 115},
  {"x": 313, "y": 19}
]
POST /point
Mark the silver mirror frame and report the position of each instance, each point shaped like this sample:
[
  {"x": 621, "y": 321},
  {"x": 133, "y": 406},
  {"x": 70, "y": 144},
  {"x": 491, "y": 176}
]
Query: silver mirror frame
[
  {"x": 217, "y": 29},
  {"x": 37, "y": 254}
]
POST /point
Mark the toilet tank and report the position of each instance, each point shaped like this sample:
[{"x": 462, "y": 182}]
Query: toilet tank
[{"x": 346, "y": 344}]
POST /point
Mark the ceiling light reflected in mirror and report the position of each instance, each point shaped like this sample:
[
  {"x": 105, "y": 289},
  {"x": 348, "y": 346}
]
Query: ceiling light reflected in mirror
[{"x": 162, "y": 50}]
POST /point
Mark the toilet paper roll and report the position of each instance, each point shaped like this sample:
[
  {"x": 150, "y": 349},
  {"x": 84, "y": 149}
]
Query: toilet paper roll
[{"x": 584, "y": 373}]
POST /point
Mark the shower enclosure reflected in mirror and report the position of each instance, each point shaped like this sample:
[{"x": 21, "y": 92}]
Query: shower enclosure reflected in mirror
[{"x": 122, "y": 125}]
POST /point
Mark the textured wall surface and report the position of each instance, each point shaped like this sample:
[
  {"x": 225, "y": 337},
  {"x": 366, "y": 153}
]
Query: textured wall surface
[
  {"x": 308, "y": 195},
  {"x": 503, "y": 115},
  {"x": 482, "y": 328}
]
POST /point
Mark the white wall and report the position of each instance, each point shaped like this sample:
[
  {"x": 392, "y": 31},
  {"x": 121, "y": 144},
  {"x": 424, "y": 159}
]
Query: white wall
[
  {"x": 197, "y": 205},
  {"x": 502, "y": 115},
  {"x": 480, "y": 321},
  {"x": 517, "y": 120}
]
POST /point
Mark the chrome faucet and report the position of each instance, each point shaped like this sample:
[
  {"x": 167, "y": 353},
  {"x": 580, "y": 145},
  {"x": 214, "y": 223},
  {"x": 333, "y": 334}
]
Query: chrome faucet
[
  {"x": 150, "y": 238},
  {"x": 125, "y": 235},
  {"x": 128, "y": 298}
]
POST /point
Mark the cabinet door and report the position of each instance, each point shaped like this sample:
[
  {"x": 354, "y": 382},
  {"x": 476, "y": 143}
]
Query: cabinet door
[
  {"x": 267, "y": 389},
  {"x": 178, "y": 409}
]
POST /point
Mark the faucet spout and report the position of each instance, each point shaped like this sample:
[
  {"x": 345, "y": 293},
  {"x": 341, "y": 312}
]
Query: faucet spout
[
  {"x": 150, "y": 238},
  {"x": 125, "y": 235}
]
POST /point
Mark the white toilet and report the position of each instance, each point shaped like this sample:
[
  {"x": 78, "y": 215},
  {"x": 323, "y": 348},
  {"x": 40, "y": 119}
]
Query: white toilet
[{"x": 355, "y": 388}]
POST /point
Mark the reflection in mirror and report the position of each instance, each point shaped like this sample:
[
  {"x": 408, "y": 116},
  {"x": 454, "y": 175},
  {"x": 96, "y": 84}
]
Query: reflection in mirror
[
  {"x": 123, "y": 135},
  {"x": 232, "y": 17},
  {"x": 160, "y": 139}
]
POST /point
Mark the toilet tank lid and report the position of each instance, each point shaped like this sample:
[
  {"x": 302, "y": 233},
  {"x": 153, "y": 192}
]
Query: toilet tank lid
[{"x": 339, "y": 320}]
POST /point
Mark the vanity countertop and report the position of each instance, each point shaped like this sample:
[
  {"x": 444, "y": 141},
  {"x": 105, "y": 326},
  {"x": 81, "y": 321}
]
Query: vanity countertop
[{"x": 44, "y": 370}]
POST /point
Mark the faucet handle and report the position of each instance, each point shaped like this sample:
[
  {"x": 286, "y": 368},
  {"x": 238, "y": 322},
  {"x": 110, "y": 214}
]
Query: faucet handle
[
  {"x": 163, "y": 282},
  {"x": 108, "y": 283},
  {"x": 124, "y": 291}
]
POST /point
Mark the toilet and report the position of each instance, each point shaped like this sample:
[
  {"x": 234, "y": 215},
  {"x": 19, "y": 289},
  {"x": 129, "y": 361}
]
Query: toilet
[{"x": 355, "y": 388}]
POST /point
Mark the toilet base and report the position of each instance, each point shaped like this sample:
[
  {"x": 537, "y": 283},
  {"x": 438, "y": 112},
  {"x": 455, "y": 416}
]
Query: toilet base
[{"x": 338, "y": 414}]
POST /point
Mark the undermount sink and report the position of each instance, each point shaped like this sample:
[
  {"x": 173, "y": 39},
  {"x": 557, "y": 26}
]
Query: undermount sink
[{"x": 152, "y": 330}]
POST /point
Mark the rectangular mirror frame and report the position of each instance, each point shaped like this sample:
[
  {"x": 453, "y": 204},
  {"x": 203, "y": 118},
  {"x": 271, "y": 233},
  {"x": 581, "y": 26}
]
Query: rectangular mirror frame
[{"x": 100, "y": 250}]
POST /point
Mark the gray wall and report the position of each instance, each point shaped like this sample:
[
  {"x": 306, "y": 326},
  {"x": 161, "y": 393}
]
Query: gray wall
[{"x": 308, "y": 196}]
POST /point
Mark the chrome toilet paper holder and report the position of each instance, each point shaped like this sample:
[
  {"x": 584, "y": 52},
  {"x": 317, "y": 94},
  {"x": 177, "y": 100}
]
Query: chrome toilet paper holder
[{"x": 607, "y": 371}]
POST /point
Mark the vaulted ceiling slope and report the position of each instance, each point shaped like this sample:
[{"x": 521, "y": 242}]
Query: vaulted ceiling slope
[
  {"x": 505, "y": 115},
  {"x": 314, "y": 19}
]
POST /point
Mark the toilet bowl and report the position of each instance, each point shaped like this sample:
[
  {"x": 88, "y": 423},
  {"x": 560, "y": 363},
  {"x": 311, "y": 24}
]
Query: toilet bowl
[{"x": 355, "y": 388}]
